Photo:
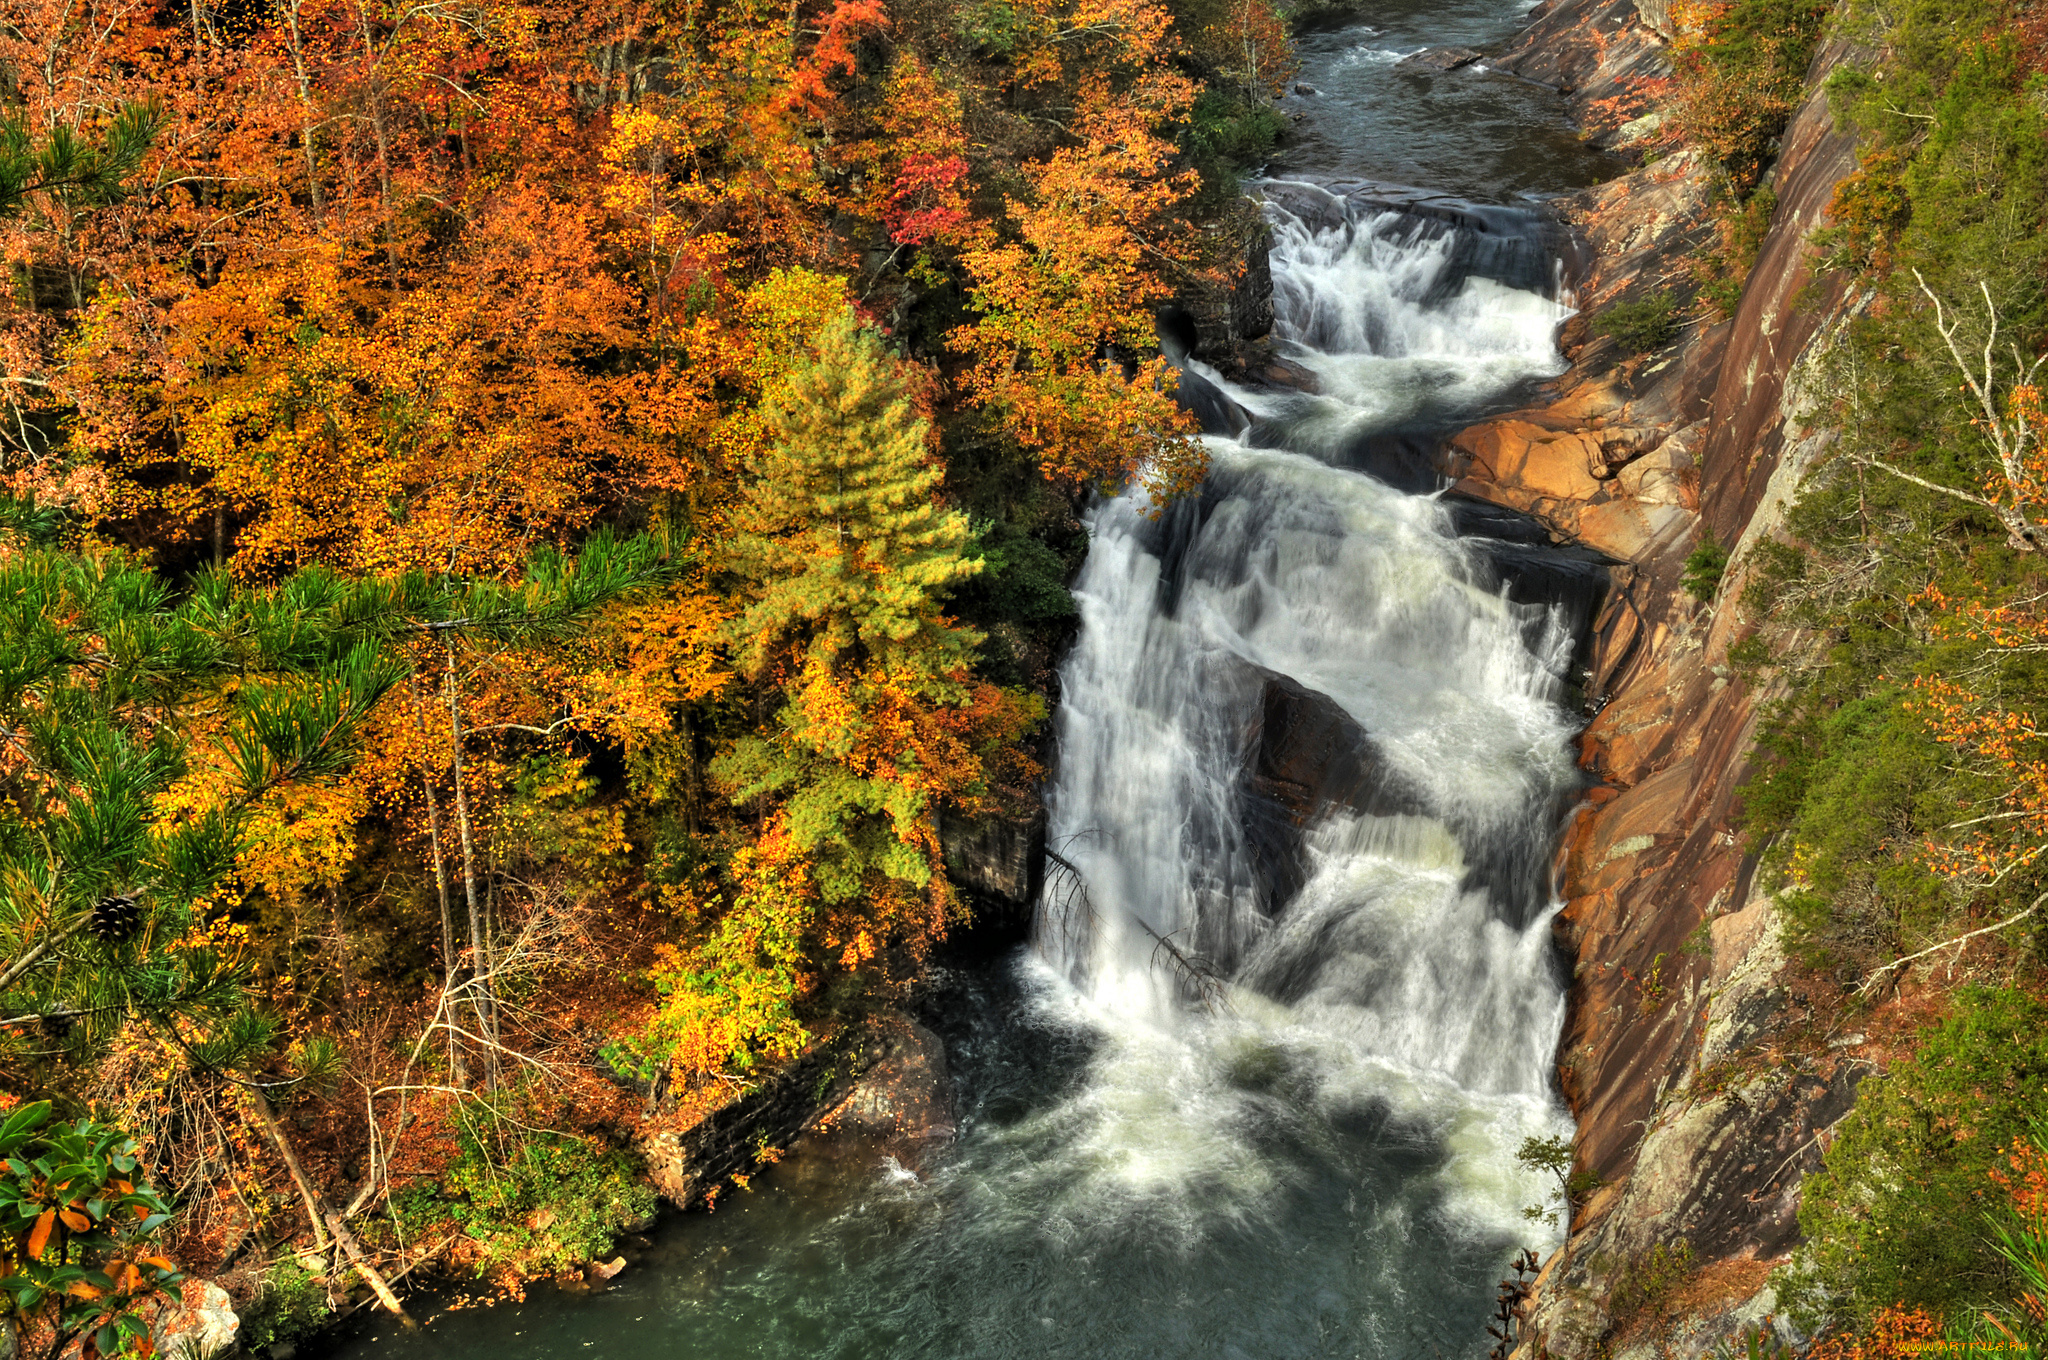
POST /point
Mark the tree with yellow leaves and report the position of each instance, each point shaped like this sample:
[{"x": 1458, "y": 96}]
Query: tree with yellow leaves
[{"x": 874, "y": 716}]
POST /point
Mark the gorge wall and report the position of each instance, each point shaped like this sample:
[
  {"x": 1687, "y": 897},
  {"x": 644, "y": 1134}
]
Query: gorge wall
[{"x": 1701, "y": 1093}]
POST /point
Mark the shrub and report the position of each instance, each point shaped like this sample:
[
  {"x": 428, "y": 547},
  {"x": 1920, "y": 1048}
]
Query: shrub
[
  {"x": 1647, "y": 1283},
  {"x": 1641, "y": 326},
  {"x": 1704, "y": 567},
  {"x": 1844, "y": 790},
  {"x": 1723, "y": 268},
  {"x": 539, "y": 1201},
  {"x": 292, "y": 1302},
  {"x": 1739, "y": 68},
  {"x": 1902, "y": 1211}
]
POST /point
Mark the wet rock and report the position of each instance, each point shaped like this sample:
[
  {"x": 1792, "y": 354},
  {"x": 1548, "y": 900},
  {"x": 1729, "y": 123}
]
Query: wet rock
[
  {"x": 1209, "y": 405},
  {"x": 605, "y": 1270},
  {"x": 1305, "y": 89},
  {"x": 1272, "y": 371},
  {"x": 1596, "y": 49},
  {"x": 685, "y": 1163},
  {"x": 1214, "y": 319},
  {"x": 1511, "y": 246},
  {"x": 905, "y": 1096},
  {"x": 1303, "y": 755},
  {"x": 1442, "y": 58},
  {"x": 997, "y": 860},
  {"x": 1701, "y": 1129}
]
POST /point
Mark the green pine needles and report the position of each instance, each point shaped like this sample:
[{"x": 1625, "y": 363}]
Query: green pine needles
[
  {"x": 850, "y": 554},
  {"x": 841, "y": 528},
  {"x": 142, "y": 726}
]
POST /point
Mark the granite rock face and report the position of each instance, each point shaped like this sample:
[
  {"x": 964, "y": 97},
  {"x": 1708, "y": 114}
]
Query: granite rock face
[{"x": 1699, "y": 1128}]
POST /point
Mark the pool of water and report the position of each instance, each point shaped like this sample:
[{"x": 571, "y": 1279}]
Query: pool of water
[{"x": 1474, "y": 132}]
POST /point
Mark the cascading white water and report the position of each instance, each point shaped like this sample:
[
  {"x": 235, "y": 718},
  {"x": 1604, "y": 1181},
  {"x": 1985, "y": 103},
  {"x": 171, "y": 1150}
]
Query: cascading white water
[
  {"x": 1395, "y": 974},
  {"x": 1323, "y": 1167}
]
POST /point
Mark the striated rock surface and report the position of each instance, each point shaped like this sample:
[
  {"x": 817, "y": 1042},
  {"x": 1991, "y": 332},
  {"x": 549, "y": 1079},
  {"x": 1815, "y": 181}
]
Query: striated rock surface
[
  {"x": 1697, "y": 1124},
  {"x": 997, "y": 862}
]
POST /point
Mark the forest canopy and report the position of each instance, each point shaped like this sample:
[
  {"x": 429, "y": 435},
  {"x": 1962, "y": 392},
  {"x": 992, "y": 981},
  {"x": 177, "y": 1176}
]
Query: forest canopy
[{"x": 526, "y": 522}]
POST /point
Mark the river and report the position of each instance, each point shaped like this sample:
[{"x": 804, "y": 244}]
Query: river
[{"x": 1305, "y": 1148}]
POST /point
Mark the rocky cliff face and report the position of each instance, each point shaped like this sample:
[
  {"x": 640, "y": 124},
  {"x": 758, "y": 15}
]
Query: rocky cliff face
[{"x": 1693, "y": 1112}]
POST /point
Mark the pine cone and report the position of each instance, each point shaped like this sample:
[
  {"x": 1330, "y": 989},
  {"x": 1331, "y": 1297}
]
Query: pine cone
[{"x": 115, "y": 919}]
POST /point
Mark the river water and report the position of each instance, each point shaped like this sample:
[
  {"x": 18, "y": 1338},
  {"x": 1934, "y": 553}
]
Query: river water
[{"x": 1291, "y": 1133}]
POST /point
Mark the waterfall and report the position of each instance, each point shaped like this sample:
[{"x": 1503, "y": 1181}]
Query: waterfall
[{"x": 1311, "y": 750}]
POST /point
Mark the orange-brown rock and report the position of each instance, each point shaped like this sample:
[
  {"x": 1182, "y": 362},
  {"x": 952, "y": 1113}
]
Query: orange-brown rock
[{"x": 1674, "y": 947}]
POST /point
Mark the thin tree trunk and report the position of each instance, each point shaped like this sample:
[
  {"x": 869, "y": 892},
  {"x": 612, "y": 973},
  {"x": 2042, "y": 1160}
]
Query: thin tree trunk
[
  {"x": 291, "y": 11},
  {"x": 360, "y": 1259},
  {"x": 268, "y": 1118},
  {"x": 375, "y": 90},
  {"x": 479, "y": 938},
  {"x": 450, "y": 965}
]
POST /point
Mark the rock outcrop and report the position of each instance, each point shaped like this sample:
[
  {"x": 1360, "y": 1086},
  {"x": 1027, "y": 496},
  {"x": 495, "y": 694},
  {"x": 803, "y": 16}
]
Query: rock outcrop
[
  {"x": 202, "y": 1324},
  {"x": 884, "y": 1079},
  {"x": 997, "y": 862},
  {"x": 904, "y": 1100},
  {"x": 1697, "y": 1126}
]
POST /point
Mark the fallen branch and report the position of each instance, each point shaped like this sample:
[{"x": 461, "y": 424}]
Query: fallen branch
[
  {"x": 360, "y": 1259},
  {"x": 1958, "y": 942}
]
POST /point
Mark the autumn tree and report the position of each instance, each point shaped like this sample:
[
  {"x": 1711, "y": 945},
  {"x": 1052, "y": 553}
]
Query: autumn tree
[
  {"x": 1066, "y": 289},
  {"x": 849, "y": 554},
  {"x": 875, "y": 719}
]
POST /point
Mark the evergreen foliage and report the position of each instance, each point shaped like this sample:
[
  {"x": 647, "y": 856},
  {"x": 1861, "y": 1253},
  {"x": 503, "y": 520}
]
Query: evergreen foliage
[
  {"x": 82, "y": 169},
  {"x": 840, "y": 529},
  {"x": 1642, "y": 326},
  {"x": 849, "y": 554},
  {"x": 1904, "y": 1210},
  {"x": 1704, "y": 566},
  {"x": 143, "y": 730}
]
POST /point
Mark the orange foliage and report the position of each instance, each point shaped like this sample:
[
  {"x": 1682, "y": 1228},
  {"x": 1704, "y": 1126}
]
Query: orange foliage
[
  {"x": 1894, "y": 1334},
  {"x": 405, "y": 287}
]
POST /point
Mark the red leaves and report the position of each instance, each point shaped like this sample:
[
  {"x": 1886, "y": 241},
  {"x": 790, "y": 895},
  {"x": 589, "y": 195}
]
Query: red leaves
[{"x": 925, "y": 202}]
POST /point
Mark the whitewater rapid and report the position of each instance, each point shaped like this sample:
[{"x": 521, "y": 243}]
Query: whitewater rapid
[{"x": 1396, "y": 978}]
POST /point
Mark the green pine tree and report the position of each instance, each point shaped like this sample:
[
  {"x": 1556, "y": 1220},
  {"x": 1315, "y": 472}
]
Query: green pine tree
[
  {"x": 106, "y": 677},
  {"x": 850, "y": 554},
  {"x": 83, "y": 170},
  {"x": 841, "y": 529}
]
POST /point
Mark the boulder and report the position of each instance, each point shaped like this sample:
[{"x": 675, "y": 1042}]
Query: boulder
[
  {"x": 1303, "y": 755},
  {"x": 203, "y": 1325},
  {"x": 1443, "y": 58},
  {"x": 691, "y": 1158},
  {"x": 905, "y": 1097}
]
